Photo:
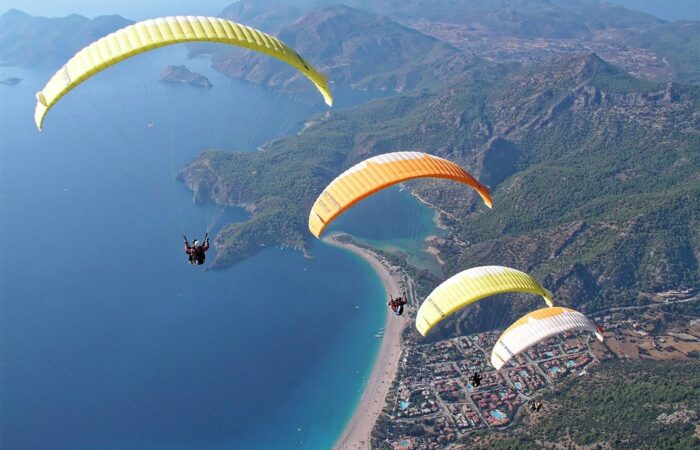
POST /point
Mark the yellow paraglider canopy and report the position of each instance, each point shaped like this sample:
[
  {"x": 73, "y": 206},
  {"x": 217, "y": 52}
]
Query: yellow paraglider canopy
[
  {"x": 380, "y": 172},
  {"x": 471, "y": 286},
  {"x": 153, "y": 33}
]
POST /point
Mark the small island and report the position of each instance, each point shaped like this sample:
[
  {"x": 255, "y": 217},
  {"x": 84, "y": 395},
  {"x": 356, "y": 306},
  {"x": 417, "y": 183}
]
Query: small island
[
  {"x": 11, "y": 81},
  {"x": 181, "y": 74}
]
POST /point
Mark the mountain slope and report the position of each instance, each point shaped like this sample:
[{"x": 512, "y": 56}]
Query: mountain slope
[
  {"x": 30, "y": 41},
  {"x": 585, "y": 162},
  {"x": 346, "y": 44},
  {"x": 269, "y": 16},
  {"x": 520, "y": 18},
  {"x": 676, "y": 42},
  {"x": 507, "y": 29},
  {"x": 602, "y": 201}
]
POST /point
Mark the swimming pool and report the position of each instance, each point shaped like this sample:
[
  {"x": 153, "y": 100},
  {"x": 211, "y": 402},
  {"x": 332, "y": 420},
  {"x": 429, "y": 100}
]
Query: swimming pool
[{"x": 498, "y": 414}]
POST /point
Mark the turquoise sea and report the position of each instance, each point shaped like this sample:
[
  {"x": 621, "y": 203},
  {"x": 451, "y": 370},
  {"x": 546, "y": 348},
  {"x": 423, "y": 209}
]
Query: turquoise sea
[
  {"x": 108, "y": 338},
  {"x": 399, "y": 225}
]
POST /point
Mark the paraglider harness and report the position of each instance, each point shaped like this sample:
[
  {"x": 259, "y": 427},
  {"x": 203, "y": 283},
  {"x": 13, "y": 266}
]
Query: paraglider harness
[
  {"x": 196, "y": 254},
  {"x": 535, "y": 405},
  {"x": 397, "y": 304},
  {"x": 475, "y": 379}
]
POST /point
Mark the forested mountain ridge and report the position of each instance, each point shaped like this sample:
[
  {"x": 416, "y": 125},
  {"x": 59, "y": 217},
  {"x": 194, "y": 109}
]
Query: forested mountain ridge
[
  {"x": 596, "y": 177},
  {"x": 346, "y": 44},
  {"x": 269, "y": 16},
  {"x": 594, "y": 173},
  {"x": 501, "y": 31},
  {"x": 525, "y": 18},
  {"x": 522, "y": 18}
]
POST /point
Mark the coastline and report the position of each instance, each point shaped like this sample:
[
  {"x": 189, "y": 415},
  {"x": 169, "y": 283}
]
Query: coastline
[{"x": 357, "y": 431}]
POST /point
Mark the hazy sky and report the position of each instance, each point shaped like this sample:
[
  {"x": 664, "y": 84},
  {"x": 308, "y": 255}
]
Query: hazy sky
[
  {"x": 131, "y": 9},
  {"x": 142, "y": 9},
  {"x": 665, "y": 9}
]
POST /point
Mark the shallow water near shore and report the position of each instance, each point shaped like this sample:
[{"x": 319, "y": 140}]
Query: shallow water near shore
[
  {"x": 396, "y": 222},
  {"x": 108, "y": 338}
]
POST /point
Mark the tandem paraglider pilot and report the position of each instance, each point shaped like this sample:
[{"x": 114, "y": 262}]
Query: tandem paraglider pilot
[
  {"x": 475, "y": 379},
  {"x": 197, "y": 252},
  {"x": 397, "y": 304}
]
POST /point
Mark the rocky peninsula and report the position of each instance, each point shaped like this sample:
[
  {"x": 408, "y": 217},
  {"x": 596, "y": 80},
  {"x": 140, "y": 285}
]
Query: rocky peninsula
[{"x": 181, "y": 74}]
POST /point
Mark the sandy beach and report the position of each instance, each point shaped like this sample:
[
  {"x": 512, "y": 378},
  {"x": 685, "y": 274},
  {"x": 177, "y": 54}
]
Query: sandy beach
[{"x": 357, "y": 432}]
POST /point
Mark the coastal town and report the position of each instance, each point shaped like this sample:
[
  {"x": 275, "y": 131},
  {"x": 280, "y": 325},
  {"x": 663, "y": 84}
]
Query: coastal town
[
  {"x": 430, "y": 401},
  {"x": 434, "y": 389},
  {"x": 433, "y": 395},
  {"x": 639, "y": 61}
]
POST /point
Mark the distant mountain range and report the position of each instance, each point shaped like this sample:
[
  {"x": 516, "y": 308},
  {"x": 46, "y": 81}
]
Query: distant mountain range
[
  {"x": 346, "y": 44},
  {"x": 522, "y": 18},
  {"x": 335, "y": 37},
  {"x": 665, "y": 9},
  {"x": 269, "y": 16},
  {"x": 42, "y": 42},
  {"x": 525, "y": 18},
  {"x": 417, "y": 41}
]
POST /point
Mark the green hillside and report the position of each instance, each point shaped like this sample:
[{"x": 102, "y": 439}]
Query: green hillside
[
  {"x": 676, "y": 42},
  {"x": 594, "y": 173},
  {"x": 622, "y": 405},
  {"x": 347, "y": 44}
]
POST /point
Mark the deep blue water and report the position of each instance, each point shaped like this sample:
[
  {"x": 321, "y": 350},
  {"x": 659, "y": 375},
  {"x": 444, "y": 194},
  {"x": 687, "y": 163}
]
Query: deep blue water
[{"x": 108, "y": 338}]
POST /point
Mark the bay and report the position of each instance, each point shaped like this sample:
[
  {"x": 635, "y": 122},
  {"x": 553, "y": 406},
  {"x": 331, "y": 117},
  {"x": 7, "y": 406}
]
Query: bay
[{"x": 108, "y": 338}]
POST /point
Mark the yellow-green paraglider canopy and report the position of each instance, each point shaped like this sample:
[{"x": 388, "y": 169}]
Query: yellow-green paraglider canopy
[
  {"x": 471, "y": 286},
  {"x": 153, "y": 33}
]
